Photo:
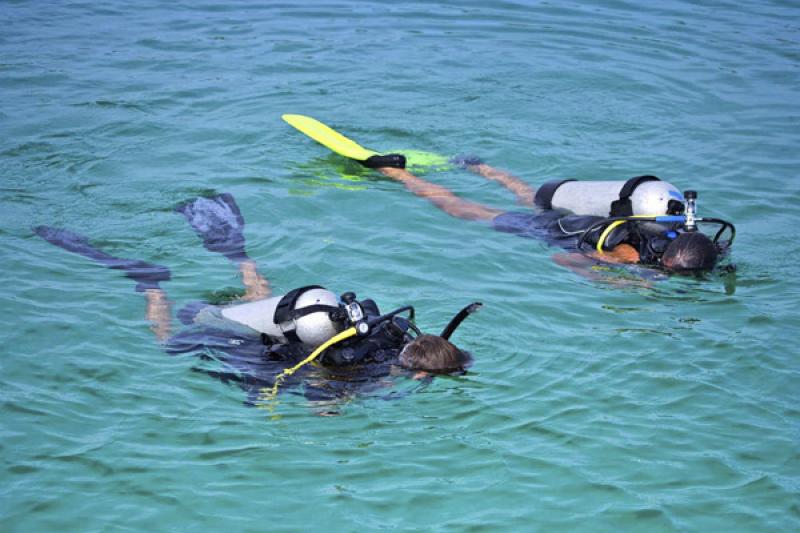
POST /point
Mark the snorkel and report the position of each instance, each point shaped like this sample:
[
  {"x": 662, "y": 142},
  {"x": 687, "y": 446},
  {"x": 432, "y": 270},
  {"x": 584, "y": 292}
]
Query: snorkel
[{"x": 458, "y": 319}]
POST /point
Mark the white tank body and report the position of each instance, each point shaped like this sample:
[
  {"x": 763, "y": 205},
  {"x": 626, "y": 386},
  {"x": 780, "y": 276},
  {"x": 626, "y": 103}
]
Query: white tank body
[
  {"x": 257, "y": 315},
  {"x": 595, "y": 197},
  {"x": 312, "y": 329}
]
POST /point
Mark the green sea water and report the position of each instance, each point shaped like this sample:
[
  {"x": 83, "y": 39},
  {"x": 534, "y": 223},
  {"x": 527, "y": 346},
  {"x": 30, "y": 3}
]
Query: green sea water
[{"x": 590, "y": 406}]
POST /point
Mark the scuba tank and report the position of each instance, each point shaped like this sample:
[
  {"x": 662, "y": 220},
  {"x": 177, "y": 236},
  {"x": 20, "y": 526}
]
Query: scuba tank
[
  {"x": 309, "y": 315},
  {"x": 302, "y": 315},
  {"x": 642, "y": 195}
]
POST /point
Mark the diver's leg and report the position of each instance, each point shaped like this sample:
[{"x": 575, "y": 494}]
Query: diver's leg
[
  {"x": 256, "y": 286},
  {"x": 146, "y": 275},
  {"x": 158, "y": 312},
  {"x": 440, "y": 196},
  {"x": 524, "y": 192}
]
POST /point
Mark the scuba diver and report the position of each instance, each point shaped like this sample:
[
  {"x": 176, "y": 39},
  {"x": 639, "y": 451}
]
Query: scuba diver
[
  {"x": 264, "y": 342},
  {"x": 642, "y": 221}
]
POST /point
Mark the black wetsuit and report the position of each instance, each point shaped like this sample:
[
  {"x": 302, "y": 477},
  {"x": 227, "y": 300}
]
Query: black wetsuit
[
  {"x": 554, "y": 227},
  {"x": 355, "y": 366}
]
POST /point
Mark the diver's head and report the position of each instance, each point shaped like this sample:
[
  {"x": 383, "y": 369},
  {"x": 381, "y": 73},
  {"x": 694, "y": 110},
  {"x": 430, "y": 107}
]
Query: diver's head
[
  {"x": 434, "y": 354},
  {"x": 690, "y": 252}
]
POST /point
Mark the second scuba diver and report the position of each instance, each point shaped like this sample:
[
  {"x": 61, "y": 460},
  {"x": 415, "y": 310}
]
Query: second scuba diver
[
  {"x": 265, "y": 341},
  {"x": 642, "y": 221},
  {"x": 639, "y": 221}
]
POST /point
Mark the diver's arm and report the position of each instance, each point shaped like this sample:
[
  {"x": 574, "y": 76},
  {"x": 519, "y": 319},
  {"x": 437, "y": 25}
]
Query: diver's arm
[
  {"x": 623, "y": 254},
  {"x": 158, "y": 312},
  {"x": 440, "y": 196},
  {"x": 522, "y": 190},
  {"x": 256, "y": 286},
  {"x": 587, "y": 266},
  {"x": 578, "y": 263}
]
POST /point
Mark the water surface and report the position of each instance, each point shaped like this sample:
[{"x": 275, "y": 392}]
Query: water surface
[{"x": 590, "y": 407}]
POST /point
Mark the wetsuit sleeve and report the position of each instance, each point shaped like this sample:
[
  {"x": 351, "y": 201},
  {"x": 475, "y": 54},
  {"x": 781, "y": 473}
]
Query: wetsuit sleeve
[
  {"x": 528, "y": 224},
  {"x": 519, "y": 222},
  {"x": 554, "y": 227}
]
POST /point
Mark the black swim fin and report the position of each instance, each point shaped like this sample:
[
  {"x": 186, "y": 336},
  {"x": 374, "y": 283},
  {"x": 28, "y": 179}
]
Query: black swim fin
[
  {"x": 218, "y": 221},
  {"x": 146, "y": 275}
]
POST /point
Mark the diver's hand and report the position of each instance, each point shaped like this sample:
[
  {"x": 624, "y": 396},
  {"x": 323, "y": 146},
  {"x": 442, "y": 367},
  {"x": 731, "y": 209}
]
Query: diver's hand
[
  {"x": 464, "y": 160},
  {"x": 594, "y": 270}
]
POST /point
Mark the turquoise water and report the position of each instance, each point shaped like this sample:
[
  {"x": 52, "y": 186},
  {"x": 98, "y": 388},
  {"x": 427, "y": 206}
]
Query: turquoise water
[{"x": 589, "y": 407}]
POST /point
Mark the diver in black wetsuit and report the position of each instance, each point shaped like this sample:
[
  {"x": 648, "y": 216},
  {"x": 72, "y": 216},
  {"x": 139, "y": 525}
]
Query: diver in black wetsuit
[
  {"x": 659, "y": 242},
  {"x": 262, "y": 339}
]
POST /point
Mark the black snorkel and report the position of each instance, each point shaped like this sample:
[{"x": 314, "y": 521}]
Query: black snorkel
[{"x": 458, "y": 319}]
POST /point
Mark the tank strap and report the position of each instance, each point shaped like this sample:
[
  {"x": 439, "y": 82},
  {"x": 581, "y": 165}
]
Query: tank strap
[
  {"x": 284, "y": 309},
  {"x": 317, "y": 308},
  {"x": 544, "y": 194},
  {"x": 623, "y": 206}
]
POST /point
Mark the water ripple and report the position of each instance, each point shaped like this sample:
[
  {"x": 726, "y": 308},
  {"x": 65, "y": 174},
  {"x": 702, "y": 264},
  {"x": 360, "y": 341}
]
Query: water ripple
[{"x": 664, "y": 407}]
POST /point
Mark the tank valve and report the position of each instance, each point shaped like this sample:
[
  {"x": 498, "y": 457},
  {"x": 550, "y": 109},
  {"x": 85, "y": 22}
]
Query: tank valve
[
  {"x": 355, "y": 313},
  {"x": 348, "y": 297},
  {"x": 691, "y": 210}
]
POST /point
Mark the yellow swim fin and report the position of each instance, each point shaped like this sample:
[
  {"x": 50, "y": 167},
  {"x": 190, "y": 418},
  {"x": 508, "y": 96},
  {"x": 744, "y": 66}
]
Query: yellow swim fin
[
  {"x": 338, "y": 143},
  {"x": 331, "y": 139}
]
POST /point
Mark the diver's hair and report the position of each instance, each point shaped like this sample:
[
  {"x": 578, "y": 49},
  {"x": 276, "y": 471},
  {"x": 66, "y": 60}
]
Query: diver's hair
[
  {"x": 432, "y": 353},
  {"x": 691, "y": 251}
]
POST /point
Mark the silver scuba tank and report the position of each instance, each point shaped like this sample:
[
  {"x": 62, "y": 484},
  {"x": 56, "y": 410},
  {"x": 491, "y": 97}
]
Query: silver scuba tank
[
  {"x": 283, "y": 319},
  {"x": 645, "y": 195}
]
